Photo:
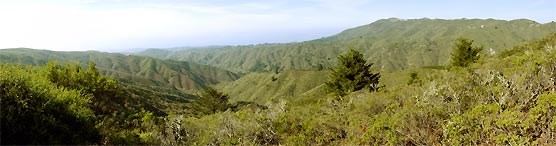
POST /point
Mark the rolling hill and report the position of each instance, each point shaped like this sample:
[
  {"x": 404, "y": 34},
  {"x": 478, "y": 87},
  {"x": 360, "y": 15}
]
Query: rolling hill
[
  {"x": 129, "y": 68},
  {"x": 262, "y": 87},
  {"x": 392, "y": 44}
]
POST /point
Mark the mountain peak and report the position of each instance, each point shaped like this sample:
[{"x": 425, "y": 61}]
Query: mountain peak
[{"x": 394, "y": 19}]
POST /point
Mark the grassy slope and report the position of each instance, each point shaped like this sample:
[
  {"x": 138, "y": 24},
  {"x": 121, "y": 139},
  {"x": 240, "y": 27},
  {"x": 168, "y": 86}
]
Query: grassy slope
[
  {"x": 392, "y": 44},
  {"x": 259, "y": 87},
  {"x": 145, "y": 70}
]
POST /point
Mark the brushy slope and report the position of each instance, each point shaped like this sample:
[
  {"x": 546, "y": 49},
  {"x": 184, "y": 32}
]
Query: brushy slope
[
  {"x": 392, "y": 44},
  {"x": 128, "y": 68},
  {"x": 502, "y": 100}
]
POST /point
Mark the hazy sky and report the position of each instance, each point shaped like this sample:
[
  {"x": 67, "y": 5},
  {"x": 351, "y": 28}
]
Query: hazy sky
[{"x": 115, "y": 25}]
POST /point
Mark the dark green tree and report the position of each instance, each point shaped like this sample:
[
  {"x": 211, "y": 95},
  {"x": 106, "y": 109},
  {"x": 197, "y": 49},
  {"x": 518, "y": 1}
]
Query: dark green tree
[
  {"x": 211, "y": 101},
  {"x": 351, "y": 74},
  {"x": 465, "y": 53},
  {"x": 413, "y": 78}
]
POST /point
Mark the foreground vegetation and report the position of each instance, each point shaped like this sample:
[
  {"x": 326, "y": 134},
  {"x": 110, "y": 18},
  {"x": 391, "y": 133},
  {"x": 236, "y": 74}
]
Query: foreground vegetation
[{"x": 67, "y": 105}]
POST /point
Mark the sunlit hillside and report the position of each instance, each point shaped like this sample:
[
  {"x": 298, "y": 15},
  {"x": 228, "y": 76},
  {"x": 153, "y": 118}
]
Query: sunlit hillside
[
  {"x": 145, "y": 70},
  {"x": 392, "y": 44}
]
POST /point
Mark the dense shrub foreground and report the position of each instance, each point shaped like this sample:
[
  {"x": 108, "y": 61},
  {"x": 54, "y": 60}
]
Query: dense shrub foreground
[
  {"x": 67, "y": 105},
  {"x": 507, "y": 99}
]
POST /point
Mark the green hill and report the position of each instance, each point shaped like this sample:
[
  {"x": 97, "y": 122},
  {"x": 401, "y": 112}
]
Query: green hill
[
  {"x": 392, "y": 44},
  {"x": 263, "y": 87},
  {"x": 260, "y": 87},
  {"x": 129, "y": 68}
]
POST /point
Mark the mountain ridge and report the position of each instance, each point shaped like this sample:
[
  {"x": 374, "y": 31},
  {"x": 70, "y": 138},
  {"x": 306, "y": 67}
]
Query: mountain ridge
[
  {"x": 392, "y": 44},
  {"x": 146, "y": 70}
]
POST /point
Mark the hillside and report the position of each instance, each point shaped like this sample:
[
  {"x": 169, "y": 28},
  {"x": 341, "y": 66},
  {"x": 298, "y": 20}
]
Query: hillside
[
  {"x": 392, "y": 44},
  {"x": 261, "y": 87},
  {"x": 129, "y": 68}
]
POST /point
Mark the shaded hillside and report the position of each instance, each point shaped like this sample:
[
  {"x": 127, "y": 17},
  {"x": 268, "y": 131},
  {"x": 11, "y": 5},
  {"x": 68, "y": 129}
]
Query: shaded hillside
[
  {"x": 158, "y": 100},
  {"x": 128, "y": 68},
  {"x": 392, "y": 44}
]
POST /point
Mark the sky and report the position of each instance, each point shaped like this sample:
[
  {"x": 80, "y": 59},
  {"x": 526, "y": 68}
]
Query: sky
[{"x": 121, "y": 25}]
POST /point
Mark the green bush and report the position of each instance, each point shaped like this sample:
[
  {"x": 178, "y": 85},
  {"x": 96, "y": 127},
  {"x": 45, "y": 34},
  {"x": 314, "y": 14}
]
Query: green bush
[
  {"x": 68, "y": 105},
  {"x": 35, "y": 111}
]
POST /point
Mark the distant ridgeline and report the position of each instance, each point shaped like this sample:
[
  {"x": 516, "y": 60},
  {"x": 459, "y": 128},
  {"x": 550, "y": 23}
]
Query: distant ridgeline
[
  {"x": 129, "y": 68},
  {"x": 392, "y": 44}
]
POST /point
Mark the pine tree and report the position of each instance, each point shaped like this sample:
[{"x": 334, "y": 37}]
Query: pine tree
[
  {"x": 352, "y": 73},
  {"x": 465, "y": 53}
]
